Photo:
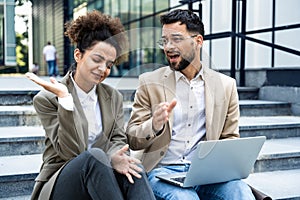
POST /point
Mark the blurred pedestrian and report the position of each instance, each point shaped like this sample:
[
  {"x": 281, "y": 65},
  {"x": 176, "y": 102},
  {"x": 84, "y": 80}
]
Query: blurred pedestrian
[
  {"x": 35, "y": 68},
  {"x": 50, "y": 58}
]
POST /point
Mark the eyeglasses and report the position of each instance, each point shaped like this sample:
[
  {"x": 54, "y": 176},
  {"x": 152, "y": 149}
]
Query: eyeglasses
[{"x": 162, "y": 42}]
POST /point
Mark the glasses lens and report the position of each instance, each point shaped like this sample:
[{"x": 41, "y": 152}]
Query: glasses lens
[
  {"x": 175, "y": 40},
  {"x": 161, "y": 43}
]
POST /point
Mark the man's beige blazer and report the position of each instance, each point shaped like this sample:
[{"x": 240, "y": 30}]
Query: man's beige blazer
[{"x": 221, "y": 109}]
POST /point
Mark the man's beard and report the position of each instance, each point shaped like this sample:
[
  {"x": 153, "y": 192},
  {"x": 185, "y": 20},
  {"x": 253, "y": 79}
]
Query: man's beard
[{"x": 183, "y": 63}]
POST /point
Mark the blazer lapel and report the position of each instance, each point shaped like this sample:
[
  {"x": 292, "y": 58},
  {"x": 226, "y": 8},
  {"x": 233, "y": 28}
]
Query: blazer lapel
[
  {"x": 209, "y": 85},
  {"x": 169, "y": 88},
  {"x": 78, "y": 114},
  {"x": 107, "y": 115}
]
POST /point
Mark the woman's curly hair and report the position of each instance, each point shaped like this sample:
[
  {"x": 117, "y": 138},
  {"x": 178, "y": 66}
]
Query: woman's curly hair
[{"x": 93, "y": 27}]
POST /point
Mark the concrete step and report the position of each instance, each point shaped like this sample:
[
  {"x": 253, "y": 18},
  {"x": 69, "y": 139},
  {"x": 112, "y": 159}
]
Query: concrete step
[
  {"x": 25, "y": 115},
  {"x": 247, "y": 93},
  {"x": 247, "y": 108},
  {"x": 126, "y": 85},
  {"x": 270, "y": 126},
  {"x": 17, "y": 179},
  {"x": 22, "y": 115},
  {"x": 17, "y": 174},
  {"x": 21, "y": 140},
  {"x": 25, "y": 96},
  {"x": 18, "y": 90},
  {"x": 276, "y": 154},
  {"x": 264, "y": 108},
  {"x": 20, "y": 97},
  {"x": 279, "y": 185},
  {"x": 23, "y": 197},
  {"x": 279, "y": 154}
]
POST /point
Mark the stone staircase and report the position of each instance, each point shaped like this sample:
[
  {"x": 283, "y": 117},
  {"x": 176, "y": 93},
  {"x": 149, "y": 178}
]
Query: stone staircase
[{"x": 276, "y": 171}]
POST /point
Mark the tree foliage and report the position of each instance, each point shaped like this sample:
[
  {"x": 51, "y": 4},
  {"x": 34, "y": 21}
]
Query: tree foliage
[{"x": 21, "y": 52}]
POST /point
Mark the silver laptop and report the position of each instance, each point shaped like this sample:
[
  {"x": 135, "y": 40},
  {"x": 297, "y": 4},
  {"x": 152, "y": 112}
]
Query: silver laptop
[{"x": 219, "y": 161}]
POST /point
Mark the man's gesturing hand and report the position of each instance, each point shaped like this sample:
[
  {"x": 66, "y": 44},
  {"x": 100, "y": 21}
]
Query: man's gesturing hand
[{"x": 161, "y": 114}]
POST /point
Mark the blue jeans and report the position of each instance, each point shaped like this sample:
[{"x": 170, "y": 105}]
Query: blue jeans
[
  {"x": 52, "y": 69},
  {"x": 232, "y": 190}
]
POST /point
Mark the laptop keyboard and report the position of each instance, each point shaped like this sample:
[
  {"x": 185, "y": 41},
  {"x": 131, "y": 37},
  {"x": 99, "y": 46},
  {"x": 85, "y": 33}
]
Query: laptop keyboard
[{"x": 179, "y": 179}]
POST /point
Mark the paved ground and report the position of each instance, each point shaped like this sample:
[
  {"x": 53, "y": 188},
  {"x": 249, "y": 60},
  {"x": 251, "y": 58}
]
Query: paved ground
[{"x": 20, "y": 82}]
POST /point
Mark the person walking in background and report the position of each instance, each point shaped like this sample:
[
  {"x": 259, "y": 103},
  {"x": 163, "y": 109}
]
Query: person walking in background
[
  {"x": 86, "y": 152},
  {"x": 50, "y": 58},
  {"x": 177, "y": 106},
  {"x": 35, "y": 68}
]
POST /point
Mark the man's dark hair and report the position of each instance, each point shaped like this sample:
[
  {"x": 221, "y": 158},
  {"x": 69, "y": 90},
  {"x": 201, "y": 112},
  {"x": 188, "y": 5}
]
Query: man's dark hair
[{"x": 187, "y": 17}]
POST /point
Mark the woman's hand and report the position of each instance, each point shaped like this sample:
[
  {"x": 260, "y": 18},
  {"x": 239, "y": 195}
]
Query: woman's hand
[
  {"x": 126, "y": 165},
  {"x": 59, "y": 89}
]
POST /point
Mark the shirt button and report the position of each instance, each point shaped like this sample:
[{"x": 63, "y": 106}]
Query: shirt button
[
  {"x": 189, "y": 124},
  {"x": 162, "y": 153},
  {"x": 191, "y": 106}
]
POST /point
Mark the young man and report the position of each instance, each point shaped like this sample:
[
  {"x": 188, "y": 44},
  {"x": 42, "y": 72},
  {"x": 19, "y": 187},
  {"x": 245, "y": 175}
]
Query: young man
[{"x": 179, "y": 105}]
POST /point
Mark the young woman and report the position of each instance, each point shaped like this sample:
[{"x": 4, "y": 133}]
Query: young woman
[{"x": 86, "y": 155}]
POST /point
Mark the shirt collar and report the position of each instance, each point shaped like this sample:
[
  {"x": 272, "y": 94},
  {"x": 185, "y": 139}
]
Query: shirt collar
[
  {"x": 179, "y": 75},
  {"x": 82, "y": 95}
]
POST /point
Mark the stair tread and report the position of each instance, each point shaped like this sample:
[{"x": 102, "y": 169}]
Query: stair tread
[
  {"x": 17, "y": 108},
  {"x": 23, "y": 197},
  {"x": 272, "y": 148},
  {"x": 244, "y": 102},
  {"x": 261, "y": 102},
  {"x": 268, "y": 121},
  {"x": 253, "y": 102},
  {"x": 283, "y": 147},
  {"x": 18, "y": 132},
  {"x": 19, "y": 165},
  {"x": 277, "y": 184}
]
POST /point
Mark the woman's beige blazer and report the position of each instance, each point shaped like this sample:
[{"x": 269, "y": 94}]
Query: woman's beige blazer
[{"x": 67, "y": 131}]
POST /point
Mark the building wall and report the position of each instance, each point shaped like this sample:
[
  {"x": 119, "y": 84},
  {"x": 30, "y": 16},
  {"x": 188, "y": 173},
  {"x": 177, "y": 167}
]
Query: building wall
[
  {"x": 141, "y": 19},
  {"x": 48, "y": 25},
  {"x": 50, "y": 16}
]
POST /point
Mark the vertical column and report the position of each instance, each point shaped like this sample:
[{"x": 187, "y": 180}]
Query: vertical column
[
  {"x": 243, "y": 43},
  {"x": 9, "y": 34},
  {"x": 233, "y": 39}
]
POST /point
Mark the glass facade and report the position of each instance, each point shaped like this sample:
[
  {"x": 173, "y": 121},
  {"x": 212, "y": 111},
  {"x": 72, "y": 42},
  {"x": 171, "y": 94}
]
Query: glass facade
[
  {"x": 141, "y": 20},
  {"x": 239, "y": 34},
  {"x": 1, "y": 35},
  {"x": 7, "y": 34}
]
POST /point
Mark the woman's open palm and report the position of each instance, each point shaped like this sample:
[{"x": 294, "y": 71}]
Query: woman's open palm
[{"x": 59, "y": 89}]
